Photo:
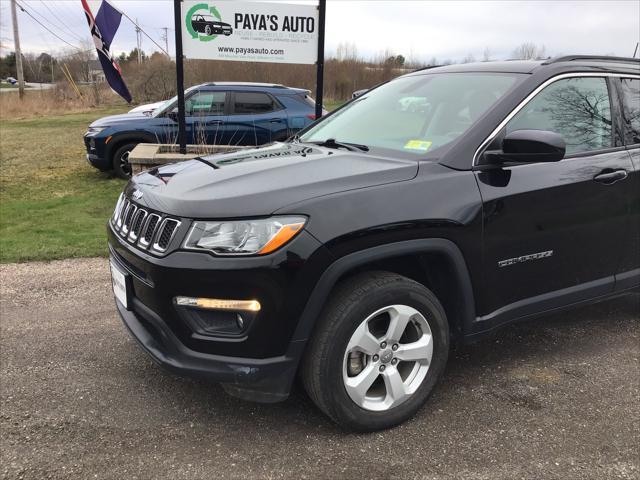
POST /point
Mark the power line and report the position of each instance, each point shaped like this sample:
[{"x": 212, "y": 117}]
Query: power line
[
  {"x": 61, "y": 21},
  {"x": 143, "y": 31},
  {"x": 46, "y": 28}
]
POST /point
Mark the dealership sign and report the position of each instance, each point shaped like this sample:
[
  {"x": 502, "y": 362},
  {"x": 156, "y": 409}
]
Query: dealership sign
[{"x": 250, "y": 31}]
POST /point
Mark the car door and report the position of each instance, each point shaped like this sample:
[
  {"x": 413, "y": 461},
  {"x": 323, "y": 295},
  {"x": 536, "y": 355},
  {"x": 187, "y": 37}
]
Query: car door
[
  {"x": 553, "y": 232},
  {"x": 628, "y": 272},
  {"x": 205, "y": 117},
  {"x": 256, "y": 118}
]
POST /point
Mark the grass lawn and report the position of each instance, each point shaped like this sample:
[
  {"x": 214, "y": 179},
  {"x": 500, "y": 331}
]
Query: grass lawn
[{"x": 52, "y": 203}]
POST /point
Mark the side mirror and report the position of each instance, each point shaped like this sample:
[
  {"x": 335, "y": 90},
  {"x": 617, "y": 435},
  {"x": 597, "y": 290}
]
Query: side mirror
[{"x": 529, "y": 146}]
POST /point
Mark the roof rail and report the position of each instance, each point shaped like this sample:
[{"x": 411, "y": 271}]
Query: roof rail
[
  {"x": 570, "y": 58},
  {"x": 245, "y": 84},
  {"x": 426, "y": 68}
]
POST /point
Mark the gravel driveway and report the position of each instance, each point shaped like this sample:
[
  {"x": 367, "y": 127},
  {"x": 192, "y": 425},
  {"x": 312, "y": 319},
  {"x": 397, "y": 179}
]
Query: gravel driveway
[{"x": 553, "y": 399}]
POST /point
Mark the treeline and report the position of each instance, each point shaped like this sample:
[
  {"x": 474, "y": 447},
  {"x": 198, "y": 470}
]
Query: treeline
[{"x": 152, "y": 77}]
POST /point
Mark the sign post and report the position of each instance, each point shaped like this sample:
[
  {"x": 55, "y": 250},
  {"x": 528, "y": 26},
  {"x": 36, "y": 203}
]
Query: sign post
[
  {"x": 322, "y": 7},
  {"x": 182, "y": 133}
]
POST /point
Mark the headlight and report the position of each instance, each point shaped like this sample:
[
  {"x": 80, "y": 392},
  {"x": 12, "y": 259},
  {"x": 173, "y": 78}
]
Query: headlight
[
  {"x": 93, "y": 131},
  {"x": 244, "y": 237}
]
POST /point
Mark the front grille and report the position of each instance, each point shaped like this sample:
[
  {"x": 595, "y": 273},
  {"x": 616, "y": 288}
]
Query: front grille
[
  {"x": 146, "y": 230},
  {"x": 167, "y": 229}
]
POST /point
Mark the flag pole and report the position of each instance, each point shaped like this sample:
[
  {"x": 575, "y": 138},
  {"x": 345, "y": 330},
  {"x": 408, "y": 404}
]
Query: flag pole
[{"x": 180, "y": 76}]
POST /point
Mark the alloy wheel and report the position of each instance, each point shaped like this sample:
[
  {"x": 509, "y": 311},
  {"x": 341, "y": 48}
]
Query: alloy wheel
[{"x": 387, "y": 357}]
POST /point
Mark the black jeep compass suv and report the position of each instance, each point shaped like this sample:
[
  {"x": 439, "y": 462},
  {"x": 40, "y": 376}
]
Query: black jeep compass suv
[{"x": 433, "y": 208}]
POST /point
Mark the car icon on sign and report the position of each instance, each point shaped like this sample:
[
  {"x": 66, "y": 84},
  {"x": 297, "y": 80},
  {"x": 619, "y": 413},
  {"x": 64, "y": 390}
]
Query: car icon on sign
[{"x": 208, "y": 25}]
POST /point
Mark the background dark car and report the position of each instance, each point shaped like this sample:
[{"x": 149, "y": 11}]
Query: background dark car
[
  {"x": 228, "y": 113},
  {"x": 209, "y": 26}
]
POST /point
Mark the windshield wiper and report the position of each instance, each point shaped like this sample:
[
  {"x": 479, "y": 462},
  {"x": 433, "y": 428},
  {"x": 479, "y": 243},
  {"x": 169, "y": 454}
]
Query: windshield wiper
[{"x": 332, "y": 143}]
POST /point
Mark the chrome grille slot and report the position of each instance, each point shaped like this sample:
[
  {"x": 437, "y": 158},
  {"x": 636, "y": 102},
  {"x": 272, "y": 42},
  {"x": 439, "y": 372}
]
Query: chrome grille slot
[
  {"x": 123, "y": 211},
  {"x": 128, "y": 217},
  {"x": 149, "y": 230},
  {"x": 166, "y": 231},
  {"x": 118, "y": 209},
  {"x": 136, "y": 225}
]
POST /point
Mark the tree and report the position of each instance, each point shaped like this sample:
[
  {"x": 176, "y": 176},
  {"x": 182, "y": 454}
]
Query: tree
[
  {"x": 529, "y": 51},
  {"x": 469, "y": 58},
  {"x": 395, "y": 61},
  {"x": 486, "y": 55},
  {"x": 8, "y": 66},
  {"x": 133, "y": 55}
]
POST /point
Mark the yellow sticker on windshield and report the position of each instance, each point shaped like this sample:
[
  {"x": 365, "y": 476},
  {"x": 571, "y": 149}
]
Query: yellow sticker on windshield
[{"x": 417, "y": 145}]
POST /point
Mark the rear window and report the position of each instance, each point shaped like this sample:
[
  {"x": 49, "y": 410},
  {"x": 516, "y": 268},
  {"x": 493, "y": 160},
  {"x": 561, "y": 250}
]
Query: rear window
[
  {"x": 631, "y": 96},
  {"x": 253, "y": 102}
]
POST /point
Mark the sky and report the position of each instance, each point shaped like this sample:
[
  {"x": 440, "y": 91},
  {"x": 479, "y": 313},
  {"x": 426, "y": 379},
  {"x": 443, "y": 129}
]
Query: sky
[{"x": 419, "y": 30}]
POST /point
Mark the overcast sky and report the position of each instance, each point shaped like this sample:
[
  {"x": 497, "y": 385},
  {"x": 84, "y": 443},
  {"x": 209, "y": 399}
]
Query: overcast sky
[{"x": 416, "y": 29}]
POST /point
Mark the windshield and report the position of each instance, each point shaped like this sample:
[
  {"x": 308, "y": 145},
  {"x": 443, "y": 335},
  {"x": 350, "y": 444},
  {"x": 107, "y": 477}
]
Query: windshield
[
  {"x": 414, "y": 114},
  {"x": 171, "y": 103},
  {"x": 162, "y": 106}
]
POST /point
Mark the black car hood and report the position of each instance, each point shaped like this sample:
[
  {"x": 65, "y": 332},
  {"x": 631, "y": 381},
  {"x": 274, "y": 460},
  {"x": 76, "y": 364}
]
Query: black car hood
[
  {"x": 260, "y": 181},
  {"x": 119, "y": 119}
]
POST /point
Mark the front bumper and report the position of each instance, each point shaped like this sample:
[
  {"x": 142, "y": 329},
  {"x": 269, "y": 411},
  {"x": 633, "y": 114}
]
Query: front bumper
[
  {"x": 94, "y": 157},
  {"x": 262, "y": 380},
  {"x": 261, "y": 363}
]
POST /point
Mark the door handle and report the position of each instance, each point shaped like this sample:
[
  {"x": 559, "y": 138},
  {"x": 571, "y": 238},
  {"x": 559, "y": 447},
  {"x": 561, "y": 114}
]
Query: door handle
[
  {"x": 611, "y": 177},
  {"x": 215, "y": 122},
  {"x": 275, "y": 120}
]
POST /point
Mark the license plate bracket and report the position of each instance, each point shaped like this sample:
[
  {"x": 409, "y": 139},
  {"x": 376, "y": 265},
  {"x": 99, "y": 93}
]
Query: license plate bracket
[{"x": 120, "y": 285}]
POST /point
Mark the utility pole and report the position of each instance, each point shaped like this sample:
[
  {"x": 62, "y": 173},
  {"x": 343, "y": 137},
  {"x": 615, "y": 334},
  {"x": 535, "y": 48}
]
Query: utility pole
[
  {"x": 138, "y": 42},
  {"x": 166, "y": 40},
  {"x": 16, "y": 41}
]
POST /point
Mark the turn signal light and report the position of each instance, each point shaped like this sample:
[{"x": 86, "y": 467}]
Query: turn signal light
[
  {"x": 218, "y": 304},
  {"x": 286, "y": 233}
]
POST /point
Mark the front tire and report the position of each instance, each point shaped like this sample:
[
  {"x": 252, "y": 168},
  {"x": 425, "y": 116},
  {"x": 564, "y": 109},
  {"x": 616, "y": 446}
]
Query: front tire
[
  {"x": 120, "y": 162},
  {"x": 379, "y": 349},
  {"x": 207, "y": 30}
]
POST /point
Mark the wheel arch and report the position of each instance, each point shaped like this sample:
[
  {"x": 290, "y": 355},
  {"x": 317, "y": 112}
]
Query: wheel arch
[
  {"x": 121, "y": 139},
  {"x": 440, "y": 267}
]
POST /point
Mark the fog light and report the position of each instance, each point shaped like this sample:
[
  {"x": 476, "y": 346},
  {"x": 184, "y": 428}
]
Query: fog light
[{"x": 218, "y": 304}]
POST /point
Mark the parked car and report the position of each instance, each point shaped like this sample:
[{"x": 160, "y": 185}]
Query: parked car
[
  {"x": 355, "y": 253},
  {"x": 357, "y": 93},
  {"x": 12, "y": 80},
  {"x": 208, "y": 25},
  {"x": 225, "y": 113},
  {"x": 147, "y": 108}
]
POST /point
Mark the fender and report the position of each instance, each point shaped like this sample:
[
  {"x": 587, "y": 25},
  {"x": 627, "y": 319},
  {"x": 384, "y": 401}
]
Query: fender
[{"x": 344, "y": 264}]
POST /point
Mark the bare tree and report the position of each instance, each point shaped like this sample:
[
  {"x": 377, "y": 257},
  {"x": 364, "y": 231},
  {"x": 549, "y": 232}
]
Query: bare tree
[
  {"x": 469, "y": 58},
  {"x": 529, "y": 51}
]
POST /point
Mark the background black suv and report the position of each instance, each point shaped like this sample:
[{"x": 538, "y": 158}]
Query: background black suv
[{"x": 435, "y": 207}]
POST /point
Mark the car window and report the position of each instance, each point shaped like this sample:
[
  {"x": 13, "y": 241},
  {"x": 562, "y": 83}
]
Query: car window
[
  {"x": 253, "y": 102},
  {"x": 578, "y": 109},
  {"x": 416, "y": 114},
  {"x": 205, "y": 103},
  {"x": 631, "y": 113}
]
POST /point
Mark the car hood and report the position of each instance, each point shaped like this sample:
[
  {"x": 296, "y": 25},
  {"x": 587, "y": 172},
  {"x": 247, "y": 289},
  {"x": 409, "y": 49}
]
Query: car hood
[
  {"x": 120, "y": 119},
  {"x": 257, "y": 182}
]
